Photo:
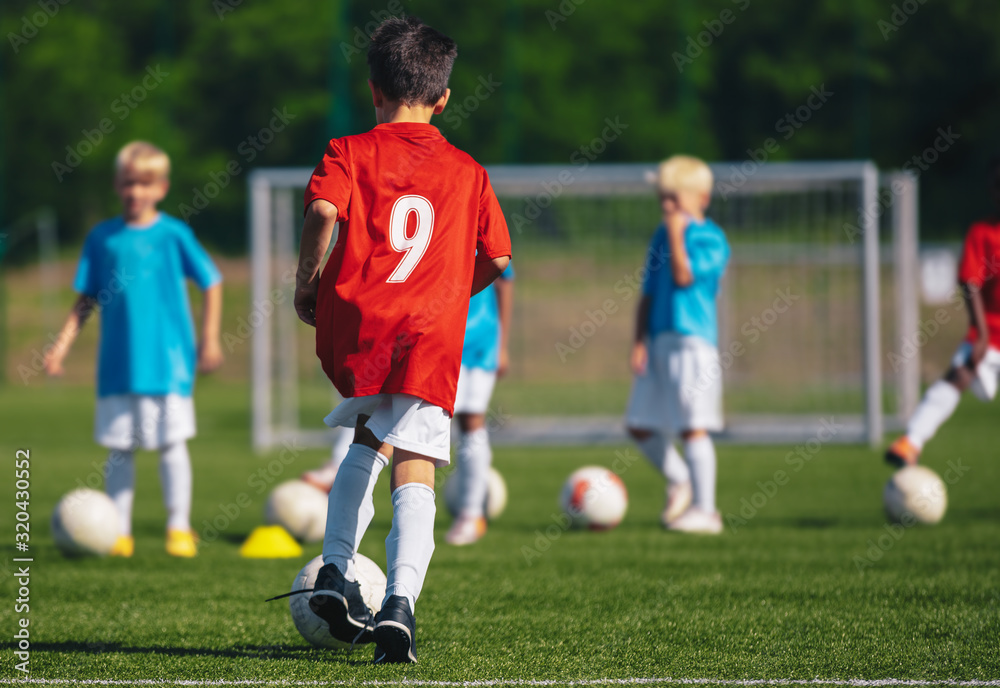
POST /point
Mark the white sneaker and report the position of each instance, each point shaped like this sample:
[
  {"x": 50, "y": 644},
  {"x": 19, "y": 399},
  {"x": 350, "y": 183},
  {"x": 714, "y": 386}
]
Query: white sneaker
[
  {"x": 321, "y": 478},
  {"x": 695, "y": 520},
  {"x": 678, "y": 500},
  {"x": 466, "y": 530}
]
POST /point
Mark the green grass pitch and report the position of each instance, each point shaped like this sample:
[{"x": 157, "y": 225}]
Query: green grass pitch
[{"x": 812, "y": 585}]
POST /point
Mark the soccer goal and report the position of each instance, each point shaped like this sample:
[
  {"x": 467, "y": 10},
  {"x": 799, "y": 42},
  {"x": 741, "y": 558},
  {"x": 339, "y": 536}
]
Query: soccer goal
[{"x": 820, "y": 289}]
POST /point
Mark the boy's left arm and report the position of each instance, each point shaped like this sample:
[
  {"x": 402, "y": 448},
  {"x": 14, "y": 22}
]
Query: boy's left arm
[{"x": 210, "y": 348}]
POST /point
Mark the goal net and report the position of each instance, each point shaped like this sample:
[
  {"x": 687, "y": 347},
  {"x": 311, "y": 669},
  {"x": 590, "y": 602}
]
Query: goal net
[{"x": 820, "y": 288}]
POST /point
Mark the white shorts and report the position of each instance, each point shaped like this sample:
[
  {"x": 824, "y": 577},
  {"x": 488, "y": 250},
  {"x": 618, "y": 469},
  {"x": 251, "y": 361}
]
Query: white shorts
[
  {"x": 402, "y": 420},
  {"x": 682, "y": 387},
  {"x": 140, "y": 421},
  {"x": 475, "y": 388},
  {"x": 987, "y": 372}
]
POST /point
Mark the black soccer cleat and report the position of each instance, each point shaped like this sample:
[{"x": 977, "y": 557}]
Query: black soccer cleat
[
  {"x": 395, "y": 633},
  {"x": 338, "y": 602}
]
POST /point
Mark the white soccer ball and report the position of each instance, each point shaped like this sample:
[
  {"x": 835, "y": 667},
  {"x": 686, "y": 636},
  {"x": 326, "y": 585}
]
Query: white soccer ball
[
  {"x": 315, "y": 629},
  {"x": 299, "y": 508},
  {"x": 85, "y": 522},
  {"x": 496, "y": 494},
  {"x": 593, "y": 497},
  {"x": 915, "y": 494}
]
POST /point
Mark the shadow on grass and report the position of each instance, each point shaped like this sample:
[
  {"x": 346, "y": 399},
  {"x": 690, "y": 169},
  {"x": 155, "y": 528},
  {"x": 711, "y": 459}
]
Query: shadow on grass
[{"x": 360, "y": 657}]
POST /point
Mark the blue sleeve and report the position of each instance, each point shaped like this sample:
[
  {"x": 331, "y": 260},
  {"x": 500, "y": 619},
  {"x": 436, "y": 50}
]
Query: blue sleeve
[
  {"x": 654, "y": 262},
  {"x": 708, "y": 253},
  {"x": 86, "y": 269},
  {"x": 195, "y": 261}
]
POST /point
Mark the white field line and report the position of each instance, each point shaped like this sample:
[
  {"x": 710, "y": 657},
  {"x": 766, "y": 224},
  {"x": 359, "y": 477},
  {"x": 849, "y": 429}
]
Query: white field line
[{"x": 489, "y": 683}]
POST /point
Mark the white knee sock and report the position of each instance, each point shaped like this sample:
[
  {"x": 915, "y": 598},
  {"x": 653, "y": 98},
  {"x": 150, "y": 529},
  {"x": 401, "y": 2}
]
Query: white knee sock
[
  {"x": 175, "y": 479},
  {"x": 935, "y": 408},
  {"x": 663, "y": 455},
  {"x": 351, "y": 507},
  {"x": 473, "y": 457},
  {"x": 410, "y": 543},
  {"x": 119, "y": 483},
  {"x": 700, "y": 454}
]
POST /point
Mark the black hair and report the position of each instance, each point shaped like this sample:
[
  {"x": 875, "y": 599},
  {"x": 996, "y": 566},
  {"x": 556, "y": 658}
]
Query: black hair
[{"x": 410, "y": 62}]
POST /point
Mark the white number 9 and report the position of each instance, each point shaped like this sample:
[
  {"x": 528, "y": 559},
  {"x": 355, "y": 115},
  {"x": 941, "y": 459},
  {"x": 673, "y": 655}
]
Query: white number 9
[{"x": 414, "y": 246}]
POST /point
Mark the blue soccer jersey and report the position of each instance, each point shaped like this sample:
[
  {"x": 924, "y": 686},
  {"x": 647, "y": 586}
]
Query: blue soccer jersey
[
  {"x": 482, "y": 328},
  {"x": 137, "y": 276},
  {"x": 687, "y": 310}
]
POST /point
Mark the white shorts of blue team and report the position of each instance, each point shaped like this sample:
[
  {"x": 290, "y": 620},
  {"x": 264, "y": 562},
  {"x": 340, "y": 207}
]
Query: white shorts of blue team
[
  {"x": 475, "y": 389},
  {"x": 401, "y": 420},
  {"x": 681, "y": 389},
  {"x": 984, "y": 386},
  {"x": 141, "y": 421}
]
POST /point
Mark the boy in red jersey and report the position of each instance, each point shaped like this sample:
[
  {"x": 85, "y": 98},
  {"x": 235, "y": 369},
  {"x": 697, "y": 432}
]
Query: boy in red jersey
[
  {"x": 420, "y": 230},
  {"x": 976, "y": 363}
]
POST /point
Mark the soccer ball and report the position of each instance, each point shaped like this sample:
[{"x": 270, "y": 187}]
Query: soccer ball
[
  {"x": 299, "y": 508},
  {"x": 593, "y": 497},
  {"x": 496, "y": 495},
  {"x": 85, "y": 522},
  {"x": 915, "y": 494},
  {"x": 313, "y": 628}
]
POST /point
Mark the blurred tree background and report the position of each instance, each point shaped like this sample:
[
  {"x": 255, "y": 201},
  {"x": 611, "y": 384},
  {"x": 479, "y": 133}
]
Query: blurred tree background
[{"x": 229, "y": 85}]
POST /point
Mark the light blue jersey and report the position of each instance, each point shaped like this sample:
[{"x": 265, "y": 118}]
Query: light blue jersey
[
  {"x": 137, "y": 275},
  {"x": 482, "y": 328},
  {"x": 687, "y": 310}
]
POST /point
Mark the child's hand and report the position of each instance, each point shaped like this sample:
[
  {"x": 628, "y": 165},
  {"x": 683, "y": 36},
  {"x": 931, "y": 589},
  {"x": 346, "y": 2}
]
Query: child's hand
[
  {"x": 209, "y": 356},
  {"x": 639, "y": 360},
  {"x": 305, "y": 302},
  {"x": 504, "y": 363},
  {"x": 53, "y": 364}
]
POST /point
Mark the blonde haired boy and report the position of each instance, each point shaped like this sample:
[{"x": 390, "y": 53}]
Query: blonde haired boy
[
  {"x": 677, "y": 391},
  {"x": 133, "y": 270}
]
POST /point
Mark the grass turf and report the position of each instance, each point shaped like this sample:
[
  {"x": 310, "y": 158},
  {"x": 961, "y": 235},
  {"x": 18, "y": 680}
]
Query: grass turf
[{"x": 784, "y": 593}]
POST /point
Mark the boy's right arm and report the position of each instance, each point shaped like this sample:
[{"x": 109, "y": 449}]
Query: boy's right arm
[
  {"x": 680, "y": 265},
  {"x": 317, "y": 230},
  {"x": 81, "y": 310},
  {"x": 639, "y": 358}
]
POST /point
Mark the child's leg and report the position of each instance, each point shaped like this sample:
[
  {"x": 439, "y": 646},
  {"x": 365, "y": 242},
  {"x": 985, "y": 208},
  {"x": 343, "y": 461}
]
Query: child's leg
[
  {"x": 938, "y": 403},
  {"x": 119, "y": 483},
  {"x": 473, "y": 458},
  {"x": 699, "y": 451},
  {"x": 662, "y": 453},
  {"x": 351, "y": 506},
  {"x": 324, "y": 476},
  {"x": 410, "y": 543},
  {"x": 175, "y": 479}
]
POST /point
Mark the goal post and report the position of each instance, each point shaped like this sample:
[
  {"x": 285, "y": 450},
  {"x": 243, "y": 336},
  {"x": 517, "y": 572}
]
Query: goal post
[{"x": 821, "y": 285}]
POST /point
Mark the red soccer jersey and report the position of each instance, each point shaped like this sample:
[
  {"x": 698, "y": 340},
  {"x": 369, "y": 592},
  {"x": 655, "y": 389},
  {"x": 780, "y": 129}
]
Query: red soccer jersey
[
  {"x": 415, "y": 215},
  {"x": 980, "y": 266}
]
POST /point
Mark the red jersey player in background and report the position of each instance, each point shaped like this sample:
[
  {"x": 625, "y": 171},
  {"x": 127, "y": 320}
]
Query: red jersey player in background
[
  {"x": 420, "y": 232},
  {"x": 976, "y": 363}
]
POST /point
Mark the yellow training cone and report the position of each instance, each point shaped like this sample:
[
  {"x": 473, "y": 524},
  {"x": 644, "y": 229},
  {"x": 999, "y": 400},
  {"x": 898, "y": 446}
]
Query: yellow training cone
[{"x": 270, "y": 542}]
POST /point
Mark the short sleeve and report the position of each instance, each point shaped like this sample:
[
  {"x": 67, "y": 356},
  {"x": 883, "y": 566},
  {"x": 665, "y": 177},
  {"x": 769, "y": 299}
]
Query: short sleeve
[
  {"x": 970, "y": 268},
  {"x": 656, "y": 259},
  {"x": 331, "y": 180},
  {"x": 494, "y": 239},
  {"x": 196, "y": 262},
  {"x": 86, "y": 270}
]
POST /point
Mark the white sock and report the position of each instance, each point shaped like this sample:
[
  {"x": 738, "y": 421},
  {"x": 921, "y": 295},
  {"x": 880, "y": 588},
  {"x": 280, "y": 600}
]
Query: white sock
[
  {"x": 935, "y": 408},
  {"x": 410, "y": 543},
  {"x": 473, "y": 459},
  {"x": 700, "y": 454},
  {"x": 175, "y": 478},
  {"x": 119, "y": 483},
  {"x": 341, "y": 446},
  {"x": 665, "y": 458},
  {"x": 351, "y": 507}
]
